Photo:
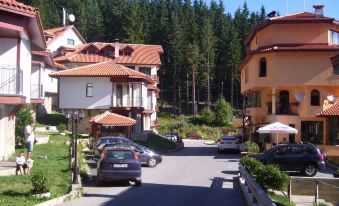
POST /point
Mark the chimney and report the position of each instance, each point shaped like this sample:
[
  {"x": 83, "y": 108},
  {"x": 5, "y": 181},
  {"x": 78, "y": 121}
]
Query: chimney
[
  {"x": 116, "y": 48},
  {"x": 318, "y": 11}
]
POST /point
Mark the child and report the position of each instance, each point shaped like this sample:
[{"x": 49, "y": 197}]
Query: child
[{"x": 21, "y": 163}]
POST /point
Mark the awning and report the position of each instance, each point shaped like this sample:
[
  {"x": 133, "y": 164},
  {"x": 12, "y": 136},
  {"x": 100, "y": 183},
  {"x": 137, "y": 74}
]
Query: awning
[
  {"x": 277, "y": 127},
  {"x": 112, "y": 119}
]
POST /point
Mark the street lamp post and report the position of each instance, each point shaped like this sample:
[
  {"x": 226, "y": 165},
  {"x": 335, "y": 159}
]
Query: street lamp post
[{"x": 75, "y": 116}]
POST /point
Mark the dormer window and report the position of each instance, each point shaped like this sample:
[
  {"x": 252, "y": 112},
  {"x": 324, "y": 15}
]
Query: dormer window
[
  {"x": 262, "y": 67},
  {"x": 70, "y": 42},
  {"x": 127, "y": 53},
  {"x": 88, "y": 51},
  {"x": 108, "y": 53}
]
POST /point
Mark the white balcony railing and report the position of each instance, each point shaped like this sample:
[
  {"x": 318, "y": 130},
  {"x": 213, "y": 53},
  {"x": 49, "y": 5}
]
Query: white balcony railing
[
  {"x": 129, "y": 102},
  {"x": 11, "y": 80},
  {"x": 36, "y": 91}
]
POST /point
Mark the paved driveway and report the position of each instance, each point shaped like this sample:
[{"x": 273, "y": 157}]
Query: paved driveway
[{"x": 195, "y": 175}]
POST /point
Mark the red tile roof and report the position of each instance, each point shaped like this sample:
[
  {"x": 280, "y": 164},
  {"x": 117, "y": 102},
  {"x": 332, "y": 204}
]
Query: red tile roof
[
  {"x": 59, "y": 66},
  {"x": 142, "y": 54},
  {"x": 55, "y": 33},
  {"x": 332, "y": 111},
  {"x": 111, "y": 119},
  {"x": 153, "y": 87},
  {"x": 105, "y": 69},
  {"x": 296, "y": 18},
  {"x": 17, "y": 7}
]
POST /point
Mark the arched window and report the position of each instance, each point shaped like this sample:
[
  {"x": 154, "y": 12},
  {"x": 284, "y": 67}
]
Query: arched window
[
  {"x": 89, "y": 90},
  {"x": 262, "y": 67},
  {"x": 315, "y": 97}
]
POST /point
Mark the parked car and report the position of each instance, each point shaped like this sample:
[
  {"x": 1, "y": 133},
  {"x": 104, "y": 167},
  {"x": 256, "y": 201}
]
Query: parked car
[
  {"x": 306, "y": 158},
  {"x": 101, "y": 142},
  {"x": 171, "y": 137},
  {"x": 119, "y": 163},
  {"x": 193, "y": 135},
  {"x": 228, "y": 143},
  {"x": 146, "y": 155}
]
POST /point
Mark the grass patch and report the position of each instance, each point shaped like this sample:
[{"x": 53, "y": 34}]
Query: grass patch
[
  {"x": 51, "y": 120},
  {"x": 16, "y": 190},
  {"x": 157, "y": 143},
  {"x": 280, "y": 200}
]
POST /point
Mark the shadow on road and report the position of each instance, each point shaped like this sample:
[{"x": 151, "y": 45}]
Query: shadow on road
[{"x": 178, "y": 195}]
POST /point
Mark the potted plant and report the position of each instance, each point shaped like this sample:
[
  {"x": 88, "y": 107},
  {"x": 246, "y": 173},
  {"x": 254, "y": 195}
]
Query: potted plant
[
  {"x": 40, "y": 184},
  {"x": 62, "y": 128},
  {"x": 336, "y": 174}
]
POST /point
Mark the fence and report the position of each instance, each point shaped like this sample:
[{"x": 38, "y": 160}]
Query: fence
[{"x": 253, "y": 193}]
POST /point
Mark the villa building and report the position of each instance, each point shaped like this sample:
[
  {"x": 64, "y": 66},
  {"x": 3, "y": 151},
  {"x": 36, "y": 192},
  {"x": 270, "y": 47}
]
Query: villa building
[
  {"x": 22, "y": 61},
  {"x": 291, "y": 75},
  {"x": 121, "y": 78}
]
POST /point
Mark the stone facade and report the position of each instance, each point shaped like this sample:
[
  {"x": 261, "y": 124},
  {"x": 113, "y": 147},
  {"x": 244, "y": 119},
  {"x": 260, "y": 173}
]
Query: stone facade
[{"x": 7, "y": 133}]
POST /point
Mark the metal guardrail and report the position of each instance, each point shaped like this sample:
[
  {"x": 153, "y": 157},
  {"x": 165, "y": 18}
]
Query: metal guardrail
[
  {"x": 254, "y": 194},
  {"x": 11, "y": 80}
]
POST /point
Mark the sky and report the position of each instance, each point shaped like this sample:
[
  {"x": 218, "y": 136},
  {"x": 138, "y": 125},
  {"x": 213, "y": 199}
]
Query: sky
[{"x": 331, "y": 8}]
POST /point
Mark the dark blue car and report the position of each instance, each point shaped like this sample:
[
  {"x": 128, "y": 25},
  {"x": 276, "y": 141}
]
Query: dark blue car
[
  {"x": 102, "y": 141},
  {"x": 119, "y": 163}
]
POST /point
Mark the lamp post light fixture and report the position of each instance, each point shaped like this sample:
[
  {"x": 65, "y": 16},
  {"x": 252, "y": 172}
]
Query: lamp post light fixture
[{"x": 75, "y": 116}]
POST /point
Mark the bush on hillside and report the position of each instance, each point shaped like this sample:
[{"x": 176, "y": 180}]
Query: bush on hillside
[
  {"x": 207, "y": 116},
  {"x": 223, "y": 113},
  {"x": 270, "y": 177},
  {"x": 39, "y": 182}
]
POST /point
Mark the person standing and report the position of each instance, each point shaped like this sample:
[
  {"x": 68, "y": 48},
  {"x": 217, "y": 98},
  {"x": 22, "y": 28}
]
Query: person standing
[{"x": 29, "y": 137}]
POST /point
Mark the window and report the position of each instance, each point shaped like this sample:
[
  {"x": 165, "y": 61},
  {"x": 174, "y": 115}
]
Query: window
[
  {"x": 89, "y": 90},
  {"x": 254, "y": 99},
  {"x": 333, "y": 37},
  {"x": 315, "y": 98},
  {"x": 281, "y": 151},
  {"x": 119, "y": 95},
  {"x": 145, "y": 70},
  {"x": 90, "y": 52},
  {"x": 108, "y": 53},
  {"x": 70, "y": 42},
  {"x": 336, "y": 69},
  {"x": 312, "y": 132},
  {"x": 262, "y": 67}
]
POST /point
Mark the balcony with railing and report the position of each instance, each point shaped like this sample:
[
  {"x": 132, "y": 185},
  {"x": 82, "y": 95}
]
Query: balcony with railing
[
  {"x": 129, "y": 102},
  {"x": 155, "y": 78},
  {"x": 11, "y": 80},
  {"x": 36, "y": 91},
  {"x": 283, "y": 108}
]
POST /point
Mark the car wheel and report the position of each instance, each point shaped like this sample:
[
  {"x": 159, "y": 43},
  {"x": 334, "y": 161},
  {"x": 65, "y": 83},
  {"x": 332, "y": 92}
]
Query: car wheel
[
  {"x": 310, "y": 170},
  {"x": 137, "y": 183},
  {"x": 152, "y": 162}
]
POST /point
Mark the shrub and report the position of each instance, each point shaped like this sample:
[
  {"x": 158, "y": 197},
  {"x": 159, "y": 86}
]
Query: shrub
[
  {"x": 23, "y": 118},
  {"x": 223, "y": 112},
  {"x": 39, "y": 182},
  {"x": 252, "y": 165},
  {"x": 62, "y": 127},
  {"x": 207, "y": 116},
  {"x": 270, "y": 177},
  {"x": 252, "y": 147}
]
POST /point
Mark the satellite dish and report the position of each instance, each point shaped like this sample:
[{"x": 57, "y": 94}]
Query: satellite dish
[
  {"x": 299, "y": 97},
  {"x": 330, "y": 97},
  {"x": 71, "y": 17}
]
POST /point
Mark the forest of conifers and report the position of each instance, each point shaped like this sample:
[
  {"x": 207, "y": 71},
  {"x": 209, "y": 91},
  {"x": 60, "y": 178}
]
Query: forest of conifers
[{"x": 203, "y": 45}]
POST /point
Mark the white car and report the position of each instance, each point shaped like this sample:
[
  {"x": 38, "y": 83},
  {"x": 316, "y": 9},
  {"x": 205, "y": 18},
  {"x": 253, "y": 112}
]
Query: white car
[
  {"x": 171, "y": 137},
  {"x": 228, "y": 143}
]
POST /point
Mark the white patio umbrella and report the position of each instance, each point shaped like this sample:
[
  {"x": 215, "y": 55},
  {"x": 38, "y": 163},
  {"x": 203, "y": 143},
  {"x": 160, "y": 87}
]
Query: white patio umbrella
[{"x": 276, "y": 128}]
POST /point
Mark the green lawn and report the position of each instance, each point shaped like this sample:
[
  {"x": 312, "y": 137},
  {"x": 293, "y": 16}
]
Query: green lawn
[
  {"x": 281, "y": 200},
  {"x": 15, "y": 190}
]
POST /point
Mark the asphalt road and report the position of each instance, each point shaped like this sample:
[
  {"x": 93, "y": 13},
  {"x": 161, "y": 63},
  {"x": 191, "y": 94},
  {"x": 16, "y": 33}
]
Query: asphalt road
[{"x": 193, "y": 176}]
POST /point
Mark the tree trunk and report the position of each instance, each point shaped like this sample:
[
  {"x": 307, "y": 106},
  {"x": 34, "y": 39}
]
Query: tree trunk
[
  {"x": 193, "y": 94},
  {"x": 174, "y": 89},
  {"x": 232, "y": 87},
  {"x": 187, "y": 94}
]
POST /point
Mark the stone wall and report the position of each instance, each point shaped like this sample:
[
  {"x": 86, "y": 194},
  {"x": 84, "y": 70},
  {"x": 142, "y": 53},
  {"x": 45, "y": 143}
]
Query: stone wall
[
  {"x": 84, "y": 126},
  {"x": 307, "y": 185},
  {"x": 7, "y": 132}
]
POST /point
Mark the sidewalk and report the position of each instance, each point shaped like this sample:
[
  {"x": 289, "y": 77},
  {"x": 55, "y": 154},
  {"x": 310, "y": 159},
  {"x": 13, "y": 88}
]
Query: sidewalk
[
  {"x": 304, "y": 200},
  {"x": 7, "y": 168}
]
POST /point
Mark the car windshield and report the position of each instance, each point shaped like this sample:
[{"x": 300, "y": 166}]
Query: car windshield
[{"x": 120, "y": 155}]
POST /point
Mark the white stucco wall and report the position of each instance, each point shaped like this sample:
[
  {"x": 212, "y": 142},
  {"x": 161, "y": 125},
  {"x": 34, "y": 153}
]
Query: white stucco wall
[
  {"x": 62, "y": 41},
  {"x": 26, "y": 65},
  {"x": 73, "y": 93},
  {"x": 8, "y": 51},
  {"x": 7, "y": 132},
  {"x": 50, "y": 84}
]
